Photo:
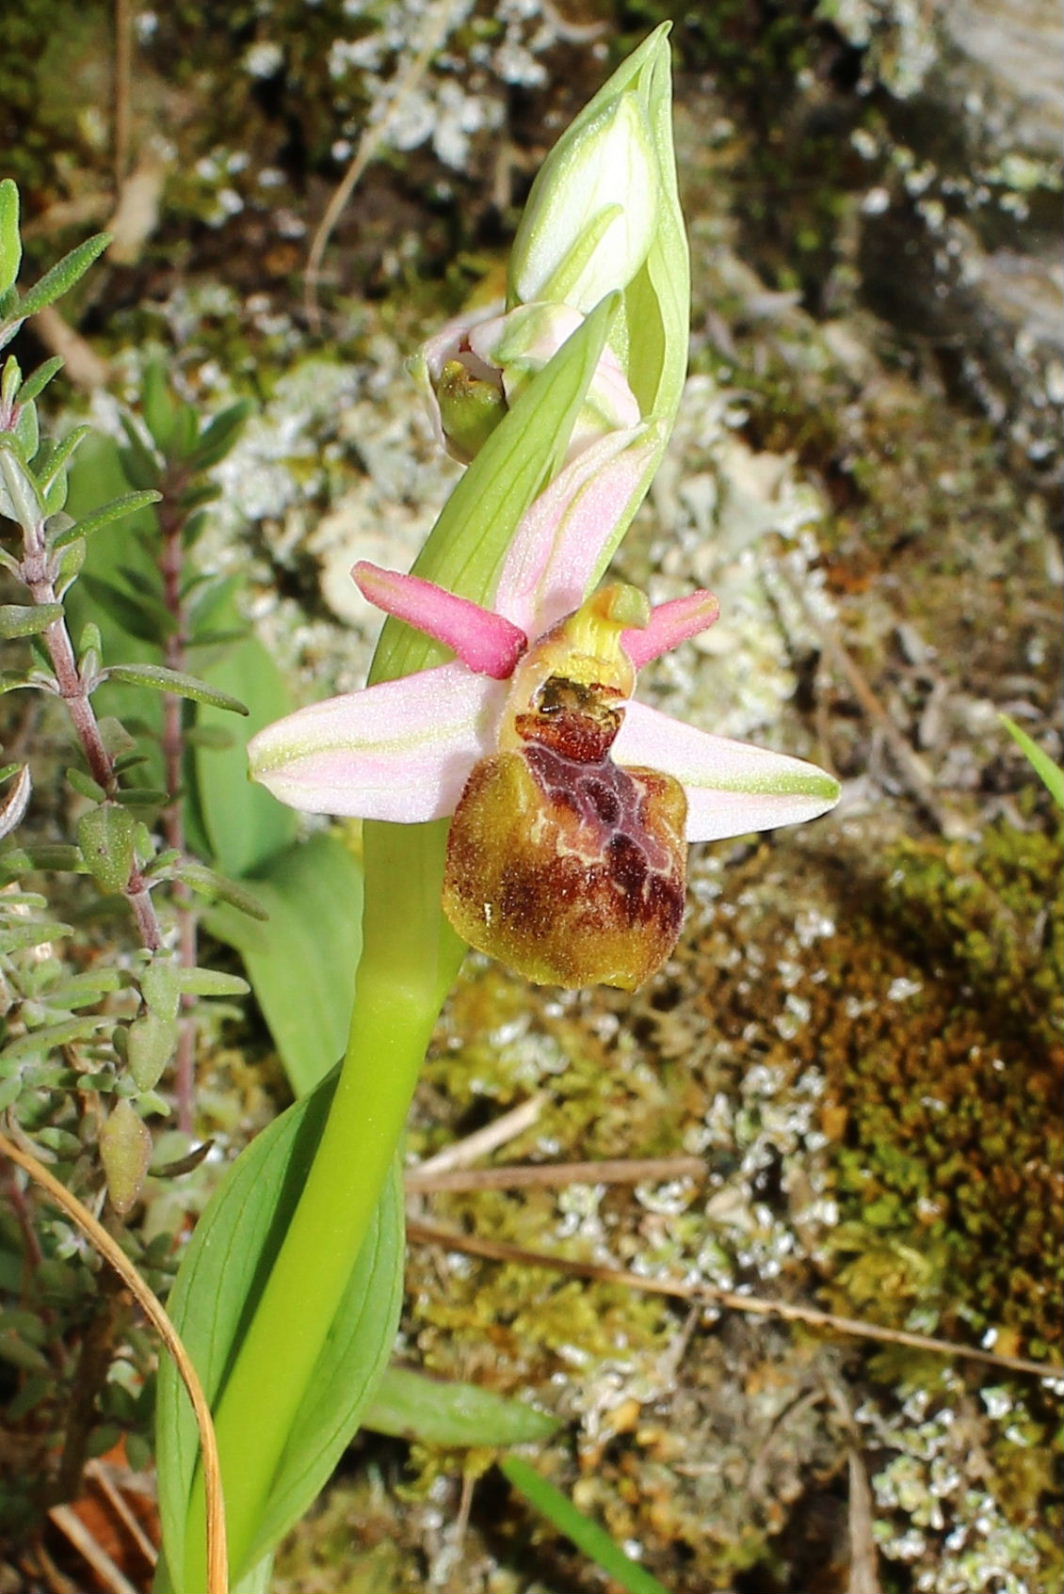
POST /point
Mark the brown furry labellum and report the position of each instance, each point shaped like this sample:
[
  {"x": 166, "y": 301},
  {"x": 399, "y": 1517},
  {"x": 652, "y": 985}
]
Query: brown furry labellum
[{"x": 560, "y": 863}]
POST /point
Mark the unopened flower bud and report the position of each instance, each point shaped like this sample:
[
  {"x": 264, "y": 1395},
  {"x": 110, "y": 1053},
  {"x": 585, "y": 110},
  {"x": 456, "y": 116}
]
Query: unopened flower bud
[
  {"x": 470, "y": 408},
  {"x": 589, "y": 221}
]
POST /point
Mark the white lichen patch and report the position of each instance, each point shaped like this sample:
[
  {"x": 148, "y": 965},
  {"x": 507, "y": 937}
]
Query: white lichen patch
[
  {"x": 933, "y": 1512},
  {"x": 457, "y": 95}
]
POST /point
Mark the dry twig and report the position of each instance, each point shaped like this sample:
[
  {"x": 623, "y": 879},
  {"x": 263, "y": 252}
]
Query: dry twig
[
  {"x": 91, "y": 1551},
  {"x": 81, "y": 364},
  {"x": 711, "y": 1295},
  {"x": 484, "y": 1141},
  {"x": 101, "y": 1241},
  {"x": 102, "y": 1476},
  {"x": 438, "y": 25},
  {"x": 518, "y": 1176}
]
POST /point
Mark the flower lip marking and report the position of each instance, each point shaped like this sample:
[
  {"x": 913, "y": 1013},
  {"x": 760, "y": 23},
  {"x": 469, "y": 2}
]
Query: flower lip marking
[{"x": 567, "y": 867}]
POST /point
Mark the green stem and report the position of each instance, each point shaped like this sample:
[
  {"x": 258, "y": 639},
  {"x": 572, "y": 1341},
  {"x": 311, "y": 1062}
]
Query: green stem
[{"x": 409, "y": 960}]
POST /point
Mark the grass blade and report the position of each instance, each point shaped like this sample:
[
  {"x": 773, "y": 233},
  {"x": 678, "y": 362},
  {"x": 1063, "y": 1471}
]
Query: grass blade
[{"x": 587, "y": 1535}]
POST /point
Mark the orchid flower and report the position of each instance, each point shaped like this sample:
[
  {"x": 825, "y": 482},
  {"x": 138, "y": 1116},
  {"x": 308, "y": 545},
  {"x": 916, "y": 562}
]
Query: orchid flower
[{"x": 572, "y": 803}]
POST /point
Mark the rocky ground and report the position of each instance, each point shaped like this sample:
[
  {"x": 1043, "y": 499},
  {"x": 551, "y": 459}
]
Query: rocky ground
[{"x": 859, "y": 1033}]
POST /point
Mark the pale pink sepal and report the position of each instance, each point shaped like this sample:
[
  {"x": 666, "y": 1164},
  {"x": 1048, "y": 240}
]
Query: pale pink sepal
[
  {"x": 486, "y": 641},
  {"x": 524, "y": 339},
  {"x": 400, "y": 751},
  {"x": 453, "y": 338},
  {"x": 670, "y": 624},
  {"x": 731, "y": 788},
  {"x": 557, "y": 550}
]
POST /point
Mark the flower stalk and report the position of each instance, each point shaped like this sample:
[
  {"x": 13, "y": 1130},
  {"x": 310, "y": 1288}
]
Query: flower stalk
[{"x": 409, "y": 961}]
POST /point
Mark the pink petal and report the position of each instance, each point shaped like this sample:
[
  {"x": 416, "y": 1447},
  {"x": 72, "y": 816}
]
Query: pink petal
[
  {"x": 402, "y": 750},
  {"x": 557, "y": 551},
  {"x": 486, "y": 642},
  {"x": 731, "y": 787},
  {"x": 670, "y": 624}
]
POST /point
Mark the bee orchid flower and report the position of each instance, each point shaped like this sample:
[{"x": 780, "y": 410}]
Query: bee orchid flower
[{"x": 572, "y": 804}]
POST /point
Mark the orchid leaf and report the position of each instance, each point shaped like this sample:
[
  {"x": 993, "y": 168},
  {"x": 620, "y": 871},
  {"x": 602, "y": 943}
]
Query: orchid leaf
[
  {"x": 1050, "y": 774},
  {"x": 244, "y": 826},
  {"x": 220, "y": 1279},
  {"x": 411, "y": 1405}
]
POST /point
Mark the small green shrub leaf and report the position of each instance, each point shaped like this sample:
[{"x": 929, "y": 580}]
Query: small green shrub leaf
[
  {"x": 19, "y": 498},
  {"x": 208, "y": 883},
  {"x": 212, "y": 982},
  {"x": 48, "y": 855},
  {"x": 27, "y": 431},
  {"x": 40, "y": 1042},
  {"x": 85, "y": 786},
  {"x": 18, "y": 619},
  {"x": 107, "y": 837},
  {"x": 38, "y": 380},
  {"x": 145, "y": 619},
  {"x": 160, "y": 408},
  {"x": 150, "y": 1044},
  {"x": 160, "y": 986},
  {"x": 10, "y": 241},
  {"x": 49, "y": 469},
  {"x": 125, "y": 1151},
  {"x": 159, "y": 679},
  {"x": 220, "y": 435},
  {"x": 63, "y": 275},
  {"x": 106, "y": 515}
]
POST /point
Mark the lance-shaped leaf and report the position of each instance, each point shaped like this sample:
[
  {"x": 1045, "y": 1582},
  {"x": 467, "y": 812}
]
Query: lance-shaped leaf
[
  {"x": 10, "y": 241},
  {"x": 221, "y": 1275},
  {"x": 160, "y": 679}
]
